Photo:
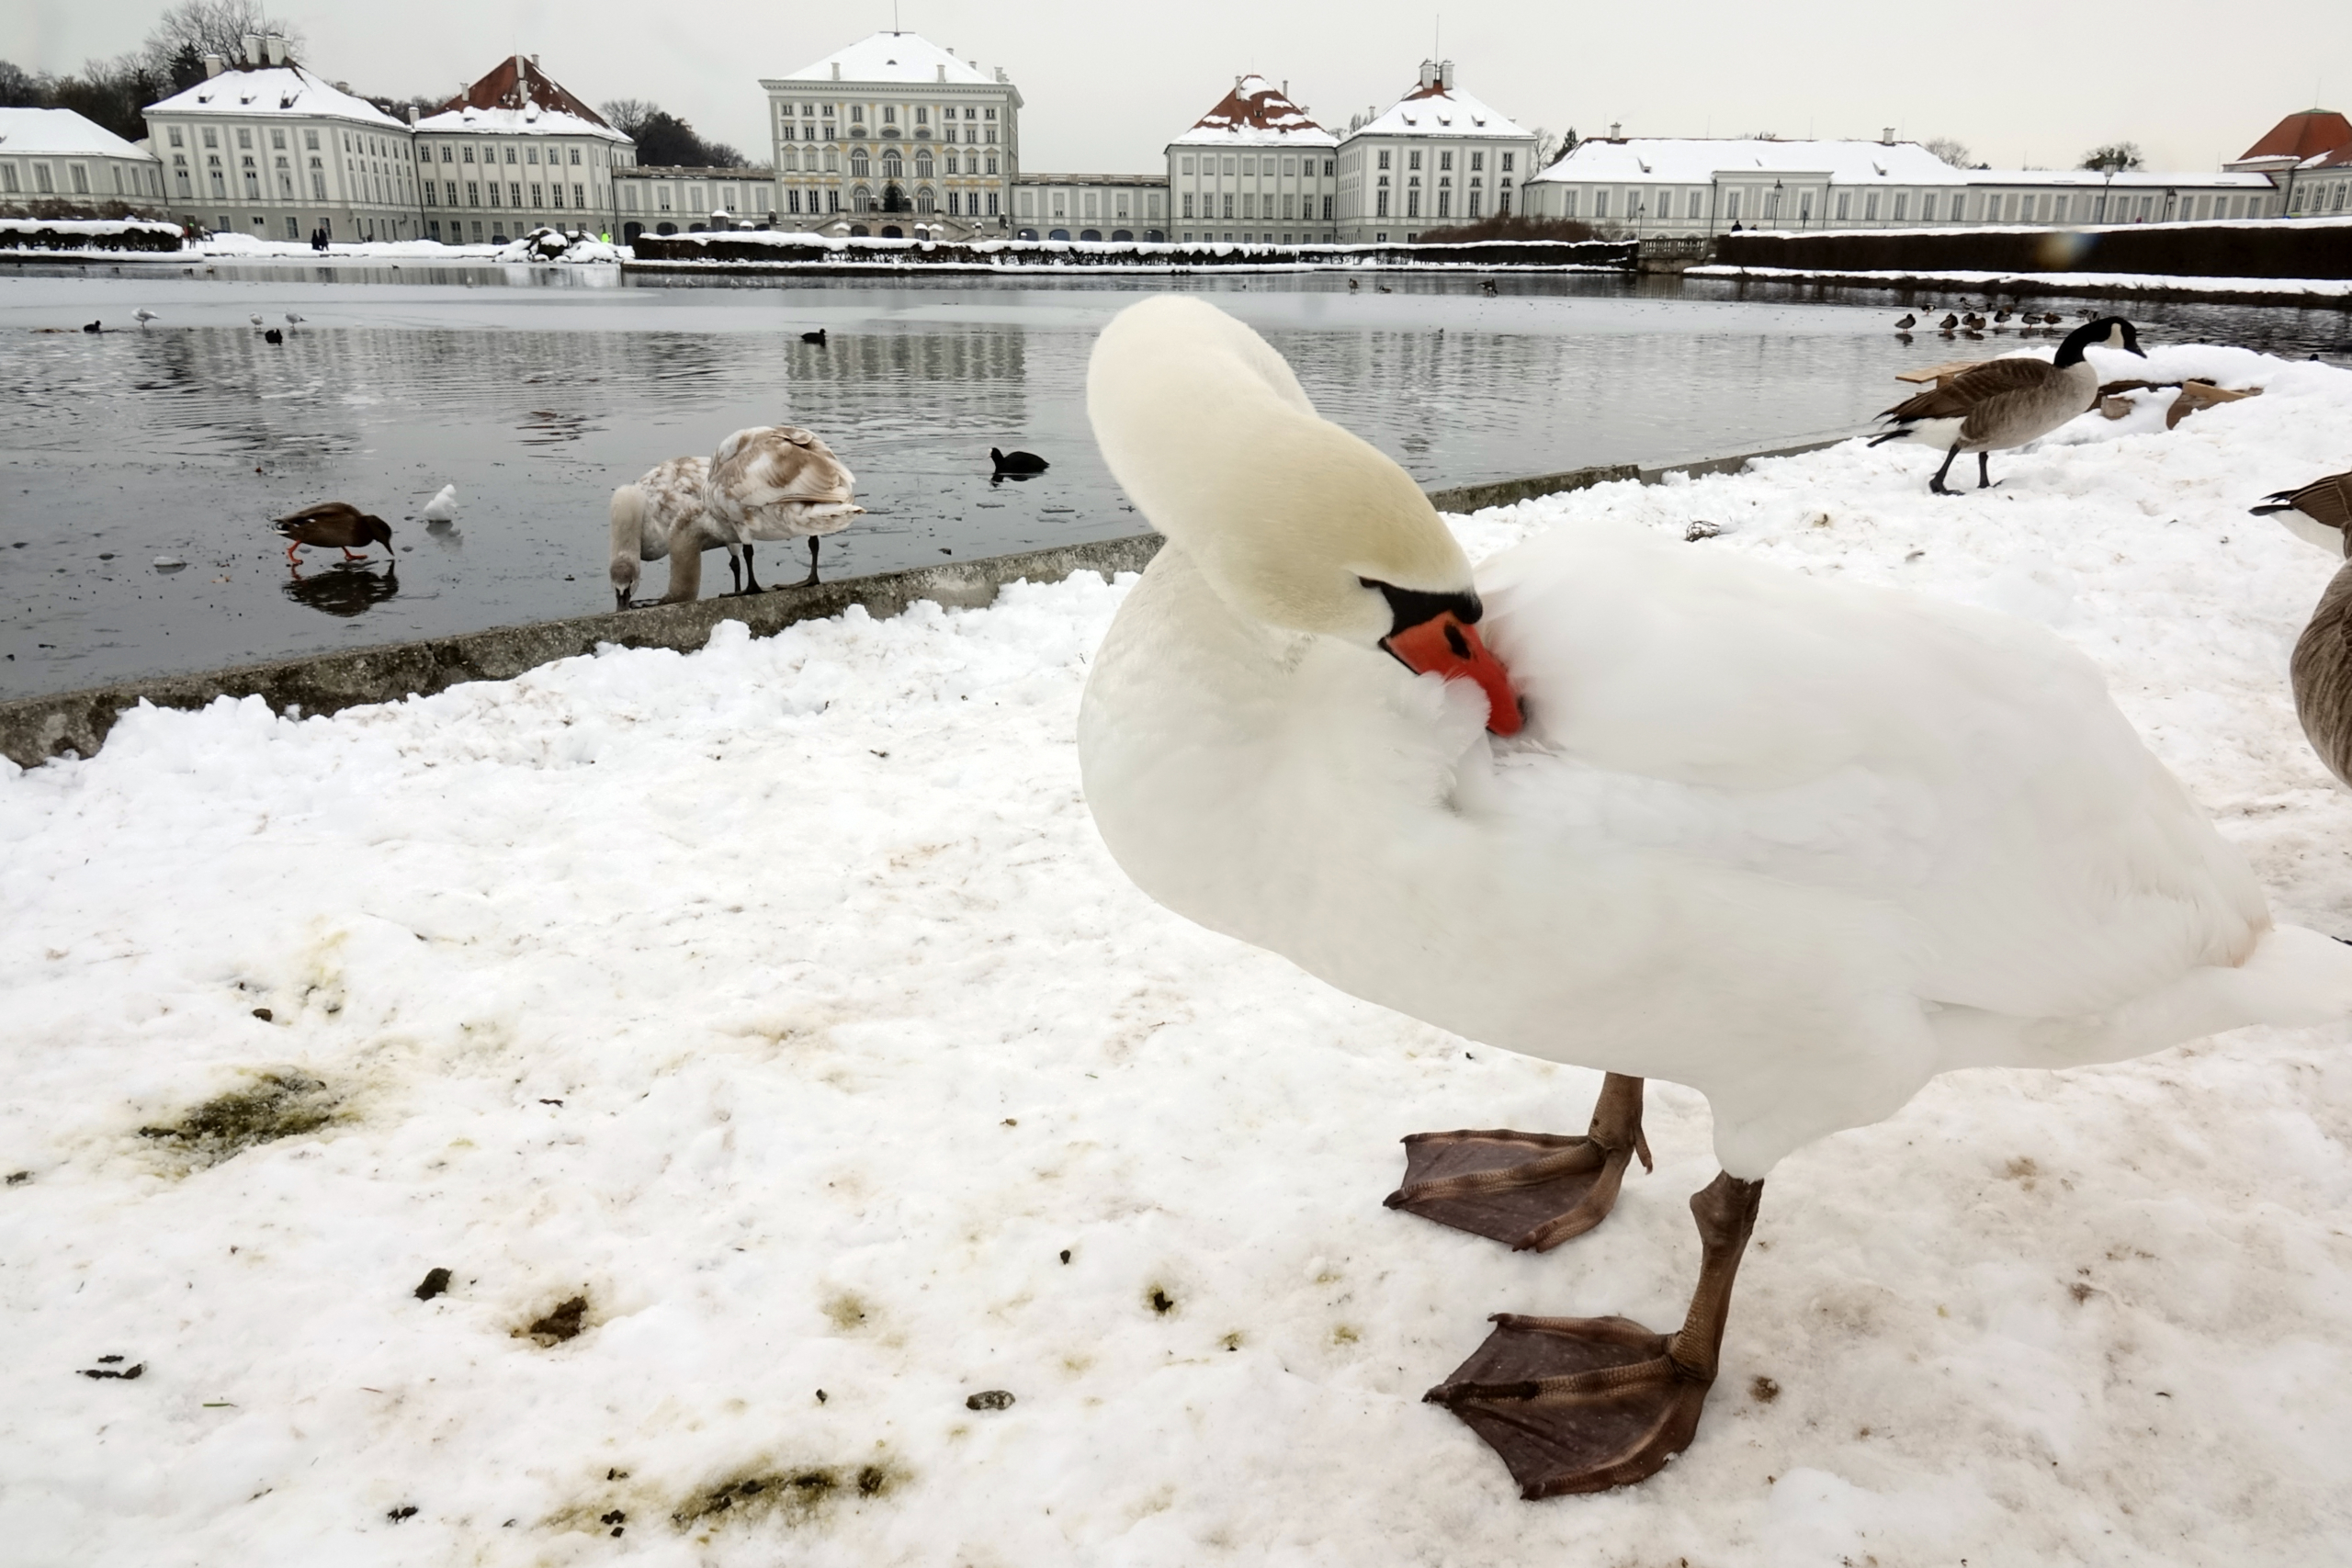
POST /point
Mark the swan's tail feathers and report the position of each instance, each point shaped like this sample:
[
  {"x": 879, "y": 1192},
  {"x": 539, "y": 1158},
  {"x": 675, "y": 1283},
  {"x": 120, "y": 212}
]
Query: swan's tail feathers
[
  {"x": 629, "y": 533},
  {"x": 2294, "y": 978}
]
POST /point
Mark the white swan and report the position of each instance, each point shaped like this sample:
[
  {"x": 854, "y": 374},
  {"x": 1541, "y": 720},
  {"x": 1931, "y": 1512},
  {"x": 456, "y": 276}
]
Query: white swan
[
  {"x": 1800, "y": 844},
  {"x": 778, "y": 481},
  {"x": 664, "y": 514}
]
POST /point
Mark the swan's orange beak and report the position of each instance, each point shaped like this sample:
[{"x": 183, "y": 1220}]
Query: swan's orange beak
[{"x": 1446, "y": 645}]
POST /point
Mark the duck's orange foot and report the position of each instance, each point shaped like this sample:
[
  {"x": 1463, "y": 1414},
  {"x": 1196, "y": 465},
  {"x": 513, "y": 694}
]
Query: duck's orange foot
[{"x": 1576, "y": 1403}]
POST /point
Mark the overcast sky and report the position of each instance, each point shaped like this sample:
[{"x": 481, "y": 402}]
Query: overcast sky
[{"x": 1106, "y": 85}]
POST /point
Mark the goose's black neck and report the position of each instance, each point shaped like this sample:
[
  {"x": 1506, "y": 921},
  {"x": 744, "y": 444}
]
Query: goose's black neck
[{"x": 2071, "y": 351}]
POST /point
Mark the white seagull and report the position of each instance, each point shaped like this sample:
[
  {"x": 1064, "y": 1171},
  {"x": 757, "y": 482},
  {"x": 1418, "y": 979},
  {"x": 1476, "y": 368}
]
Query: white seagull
[
  {"x": 1799, "y": 843},
  {"x": 143, "y": 316}
]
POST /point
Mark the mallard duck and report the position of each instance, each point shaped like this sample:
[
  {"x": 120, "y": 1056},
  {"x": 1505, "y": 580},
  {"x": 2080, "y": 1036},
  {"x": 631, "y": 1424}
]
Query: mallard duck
[{"x": 332, "y": 522}]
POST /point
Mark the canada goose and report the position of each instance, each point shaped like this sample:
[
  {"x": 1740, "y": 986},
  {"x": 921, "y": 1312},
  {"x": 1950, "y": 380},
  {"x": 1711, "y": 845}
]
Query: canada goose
[
  {"x": 1486, "y": 287},
  {"x": 777, "y": 481},
  {"x": 1018, "y": 463},
  {"x": 817, "y": 337},
  {"x": 273, "y": 336},
  {"x": 2321, "y": 514},
  {"x": 665, "y": 515},
  {"x": 93, "y": 326},
  {"x": 331, "y": 523},
  {"x": 2007, "y": 403},
  {"x": 1907, "y": 323},
  {"x": 143, "y": 316},
  {"x": 1353, "y": 284},
  {"x": 1995, "y": 869},
  {"x": 443, "y": 507}
]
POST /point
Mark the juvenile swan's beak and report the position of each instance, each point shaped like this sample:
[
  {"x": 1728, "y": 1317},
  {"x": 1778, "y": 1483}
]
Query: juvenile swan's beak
[{"x": 1449, "y": 645}]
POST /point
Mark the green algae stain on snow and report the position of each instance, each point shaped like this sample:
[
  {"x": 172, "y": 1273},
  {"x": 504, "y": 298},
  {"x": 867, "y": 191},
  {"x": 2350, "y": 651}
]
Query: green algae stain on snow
[
  {"x": 799, "y": 1495},
  {"x": 275, "y": 1105}
]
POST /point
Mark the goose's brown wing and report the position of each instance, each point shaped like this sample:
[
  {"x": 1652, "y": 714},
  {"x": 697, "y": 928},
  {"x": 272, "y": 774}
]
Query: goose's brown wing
[
  {"x": 2328, "y": 501},
  {"x": 1961, "y": 396}
]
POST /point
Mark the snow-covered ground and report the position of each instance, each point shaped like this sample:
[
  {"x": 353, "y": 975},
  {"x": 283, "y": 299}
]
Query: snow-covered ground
[
  {"x": 780, "y": 1002},
  {"x": 227, "y": 246},
  {"x": 2317, "y": 289}
]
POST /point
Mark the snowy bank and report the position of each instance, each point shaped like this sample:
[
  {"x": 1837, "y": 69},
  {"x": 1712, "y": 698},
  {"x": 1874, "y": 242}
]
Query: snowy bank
[
  {"x": 779, "y": 1002},
  {"x": 2085, "y": 284}
]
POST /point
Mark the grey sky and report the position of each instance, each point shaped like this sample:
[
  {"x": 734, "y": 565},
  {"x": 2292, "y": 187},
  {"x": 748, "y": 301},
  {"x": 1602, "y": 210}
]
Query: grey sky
[{"x": 1107, "y": 85}]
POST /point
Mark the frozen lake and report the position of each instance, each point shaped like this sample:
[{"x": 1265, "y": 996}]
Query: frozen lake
[{"x": 534, "y": 401}]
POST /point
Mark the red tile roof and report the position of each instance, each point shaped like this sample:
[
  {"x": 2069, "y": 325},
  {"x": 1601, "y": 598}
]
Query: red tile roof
[
  {"x": 1255, "y": 104},
  {"x": 513, "y": 82},
  {"x": 2304, "y": 135}
]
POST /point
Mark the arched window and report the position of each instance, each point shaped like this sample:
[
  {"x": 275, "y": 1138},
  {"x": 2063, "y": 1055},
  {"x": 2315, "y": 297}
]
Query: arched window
[
  {"x": 923, "y": 162},
  {"x": 891, "y": 167},
  {"x": 861, "y": 200},
  {"x": 858, "y": 166},
  {"x": 924, "y": 201}
]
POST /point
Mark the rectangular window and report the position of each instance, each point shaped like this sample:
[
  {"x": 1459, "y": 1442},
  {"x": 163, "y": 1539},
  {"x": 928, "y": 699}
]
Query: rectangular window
[
  {"x": 1413, "y": 158},
  {"x": 1600, "y": 203},
  {"x": 530, "y": 154},
  {"x": 1188, "y": 195},
  {"x": 991, "y": 194},
  {"x": 244, "y": 137},
  {"x": 1326, "y": 210},
  {"x": 514, "y": 194},
  {"x": 1413, "y": 203},
  {"x": 469, "y": 153},
  {"x": 510, "y": 154},
  {"x": 318, "y": 181},
  {"x": 1567, "y": 204},
  {"x": 1445, "y": 158},
  {"x": 555, "y": 192},
  {"x": 534, "y": 197},
  {"x": 1229, "y": 205},
  {"x": 2058, "y": 210},
  {"x": 579, "y": 196},
  {"x": 1902, "y": 205},
  {"x": 1870, "y": 207},
  {"x": 1380, "y": 203},
  {"x": 309, "y": 141},
  {"x": 81, "y": 179},
  {"x": 473, "y": 193},
  {"x": 1845, "y": 203},
  {"x": 1383, "y": 157},
  {"x": 992, "y": 170},
  {"x": 1445, "y": 204},
  {"x": 1928, "y": 208},
  {"x": 212, "y": 136},
  {"x": 176, "y": 141}
]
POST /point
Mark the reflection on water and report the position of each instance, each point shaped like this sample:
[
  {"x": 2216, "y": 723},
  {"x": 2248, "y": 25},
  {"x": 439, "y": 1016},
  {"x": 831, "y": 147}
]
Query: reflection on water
[
  {"x": 346, "y": 588},
  {"x": 185, "y": 440}
]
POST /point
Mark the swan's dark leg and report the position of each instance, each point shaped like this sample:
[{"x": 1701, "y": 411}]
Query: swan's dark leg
[
  {"x": 1531, "y": 1190},
  {"x": 1582, "y": 1404},
  {"x": 1936, "y": 484},
  {"x": 809, "y": 580},
  {"x": 751, "y": 584}
]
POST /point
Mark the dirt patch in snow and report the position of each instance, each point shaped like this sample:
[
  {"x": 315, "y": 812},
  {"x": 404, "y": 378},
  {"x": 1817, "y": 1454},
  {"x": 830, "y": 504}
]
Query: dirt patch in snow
[{"x": 278, "y": 1105}]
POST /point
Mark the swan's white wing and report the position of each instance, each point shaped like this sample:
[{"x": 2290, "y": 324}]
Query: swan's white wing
[{"x": 1964, "y": 768}]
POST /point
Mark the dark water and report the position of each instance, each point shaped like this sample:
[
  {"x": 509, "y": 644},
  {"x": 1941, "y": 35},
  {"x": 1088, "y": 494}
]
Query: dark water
[{"x": 185, "y": 439}]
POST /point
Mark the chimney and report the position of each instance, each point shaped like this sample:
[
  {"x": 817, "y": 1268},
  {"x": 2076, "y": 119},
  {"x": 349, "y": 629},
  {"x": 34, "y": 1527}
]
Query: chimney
[
  {"x": 412, "y": 114},
  {"x": 535, "y": 58},
  {"x": 837, "y": 70},
  {"x": 214, "y": 64},
  {"x": 943, "y": 73},
  {"x": 1616, "y": 131},
  {"x": 1888, "y": 139},
  {"x": 1445, "y": 75},
  {"x": 253, "y": 49},
  {"x": 273, "y": 48},
  {"x": 1428, "y": 74}
]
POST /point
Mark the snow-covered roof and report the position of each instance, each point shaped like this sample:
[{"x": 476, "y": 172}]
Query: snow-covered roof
[
  {"x": 893, "y": 57},
  {"x": 517, "y": 98},
  {"x": 1668, "y": 160},
  {"x": 266, "y": 90},
  {"x": 1676, "y": 160},
  {"x": 1256, "y": 113},
  {"x": 1439, "y": 110},
  {"x": 62, "y": 131}
]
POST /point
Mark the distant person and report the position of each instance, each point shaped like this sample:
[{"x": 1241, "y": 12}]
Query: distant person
[{"x": 1735, "y": 225}]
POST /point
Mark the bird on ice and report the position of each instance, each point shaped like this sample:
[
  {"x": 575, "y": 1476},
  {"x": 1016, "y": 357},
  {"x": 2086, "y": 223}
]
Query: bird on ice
[
  {"x": 1800, "y": 843},
  {"x": 143, "y": 316},
  {"x": 333, "y": 523}
]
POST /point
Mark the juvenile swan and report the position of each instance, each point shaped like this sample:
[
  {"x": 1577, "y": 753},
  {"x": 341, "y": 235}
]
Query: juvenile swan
[
  {"x": 663, "y": 515},
  {"x": 777, "y": 481}
]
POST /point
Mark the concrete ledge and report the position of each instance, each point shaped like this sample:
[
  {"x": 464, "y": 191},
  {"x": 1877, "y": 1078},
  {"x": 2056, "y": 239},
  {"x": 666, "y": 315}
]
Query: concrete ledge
[{"x": 33, "y": 729}]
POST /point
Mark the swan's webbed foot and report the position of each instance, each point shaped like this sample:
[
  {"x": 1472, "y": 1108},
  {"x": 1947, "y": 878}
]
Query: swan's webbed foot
[
  {"x": 1531, "y": 1190},
  {"x": 1576, "y": 1403},
  {"x": 1585, "y": 1404}
]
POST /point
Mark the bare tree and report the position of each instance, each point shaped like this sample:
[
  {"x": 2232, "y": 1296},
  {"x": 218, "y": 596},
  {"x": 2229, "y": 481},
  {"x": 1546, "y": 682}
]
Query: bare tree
[
  {"x": 2114, "y": 157},
  {"x": 627, "y": 116},
  {"x": 1951, "y": 150},
  {"x": 194, "y": 28}
]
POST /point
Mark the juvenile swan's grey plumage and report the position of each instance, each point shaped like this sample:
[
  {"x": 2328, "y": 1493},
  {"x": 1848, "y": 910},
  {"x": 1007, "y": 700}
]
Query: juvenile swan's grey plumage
[
  {"x": 2008, "y": 402},
  {"x": 2321, "y": 514}
]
